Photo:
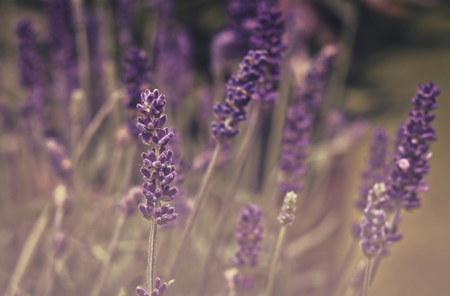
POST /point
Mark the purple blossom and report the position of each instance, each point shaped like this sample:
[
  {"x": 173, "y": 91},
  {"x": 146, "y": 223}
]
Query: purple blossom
[
  {"x": 377, "y": 169},
  {"x": 373, "y": 228},
  {"x": 30, "y": 64},
  {"x": 58, "y": 157},
  {"x": 158, "y": 291},
  {"x": 411, "y": 158},
  {"x": 240, "y": 89},
  {"x": 311, "y": 92},
  {"x": 131, "y": 201},
  {"x": 294, "y": 143},
  {"x": 124, "y": 15},
  {"x": 157, "y": 170},
  {"x": 249, "y": 233},
  {"x": 268, "y": 35}
]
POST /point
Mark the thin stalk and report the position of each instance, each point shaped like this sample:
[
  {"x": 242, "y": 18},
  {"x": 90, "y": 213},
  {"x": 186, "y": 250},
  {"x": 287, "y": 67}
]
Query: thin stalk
[
  {"x": 114, "y": 168},
  {"x": 229, "y": 196},
  {"x": 367, "y": 277},
  {"x": 345, "y": 265},
  {"x": 57, "y": 224},
  {"x": 273, "y": 264},
  {"x": 111, "y": 249},
  {"x": 194, "y": 214},
  {"x": 27, "y": 252},
  {"x": 93, "y": 126},
  {"x": 151, "y": 266}
]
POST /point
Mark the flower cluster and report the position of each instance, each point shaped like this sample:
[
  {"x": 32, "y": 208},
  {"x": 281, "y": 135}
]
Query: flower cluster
[
  {"x": 157, "y": 170},
  {"x": 249, "y": 233},
  {"x": 268, "y": 35},
  {"x": 124, "y": 15},
  {"x": 294, "y": 142},
  {"x": 411, "y": 158},
  {"x": 58, "y": 157},
  {"x": 130, "y": 201},
  {"x": 311, "y": 91},
  {"x": 158, "y": 291},
  {"x": 287, "y": 214},
  {"x": 240, "y": 89},
  {"x": 377, "y": 169},
  {"x": 373, "y": 228},
  {"x": 29, "y": 60},
  {"x": 137, "y": 79}
]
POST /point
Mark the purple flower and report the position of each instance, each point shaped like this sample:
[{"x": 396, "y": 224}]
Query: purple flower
[
  {"x": 157, "y": 170},
  {"x": 311, "y": 91},
  {"x": 158, "y": 291},
  {"x": 294, "y": 143},
  {"x": 373, "y": 228},
  {"x": 131, "y": 201},
  {"x": 249, "y": 233},
  {"x": 30, "y": 64},
  {"x": 58, "y": 157},
  {"x": 268, "y": 35},
  {"x": 411, "y": 158},
  {"x": 240, "y": 89},
  {"x": 124, "y": 15},
  {"x": 376, "y": 170}
]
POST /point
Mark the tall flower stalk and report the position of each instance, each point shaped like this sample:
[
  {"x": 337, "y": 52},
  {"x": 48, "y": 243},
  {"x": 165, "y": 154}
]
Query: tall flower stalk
[{"x": 158, "y": 173}]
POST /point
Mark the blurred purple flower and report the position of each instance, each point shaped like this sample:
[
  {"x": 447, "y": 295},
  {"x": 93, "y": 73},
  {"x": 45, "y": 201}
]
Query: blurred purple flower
[
  {"x": 131, "y": 201},
  {"x": 158, "y": 291},
  {"x": 411, "y": 158},
  {"x": 124, "y": 15},
  {"x": 249, "y": 233},
  {"x": 58, "y": 157}
]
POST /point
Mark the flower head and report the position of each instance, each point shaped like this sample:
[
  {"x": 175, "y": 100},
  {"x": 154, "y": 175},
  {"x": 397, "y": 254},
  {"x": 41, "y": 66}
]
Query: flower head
[{"x": 158, "y": 291}]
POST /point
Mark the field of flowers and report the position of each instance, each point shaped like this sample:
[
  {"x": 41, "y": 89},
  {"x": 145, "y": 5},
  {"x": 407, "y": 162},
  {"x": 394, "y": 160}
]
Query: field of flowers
[{"x": 227, "y": 147}]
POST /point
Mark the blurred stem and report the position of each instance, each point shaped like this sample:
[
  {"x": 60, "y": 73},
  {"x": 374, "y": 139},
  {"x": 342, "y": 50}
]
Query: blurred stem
[
  {"x": 345, "y": 265},
  {"x": 273, "y": 264},
  {"x": 82, "y": 46},
  {"x": 151, "y": 266},
  {"x": 229, "y": 196},
  {"x": 129, "y": 166},
  {"x": 367, "y": 276},
  {"x": 50, "y": 277},
  {"x": 111, "y": 248},
  {"x": 114, "y": 168},
  {"x": 27, "y": 252},
  {"x": 194, "y": 214},
  {"x": 93, "y": 126}
]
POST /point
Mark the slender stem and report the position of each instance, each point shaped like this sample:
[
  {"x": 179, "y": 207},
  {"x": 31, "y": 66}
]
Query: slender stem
[
  {"x": 93, "y": 126},
  {"x": 367, "y": 277},
  {"x": 197, "y": 203},
  {"x": 151, "y": 264},
  {"x": 111, "y": 248},
  {"x": 229, "y": 196},
  {"x": 273, "y": 264},
  {"x": 27, "y": 252},
  {"x": 345, "y": 265}
]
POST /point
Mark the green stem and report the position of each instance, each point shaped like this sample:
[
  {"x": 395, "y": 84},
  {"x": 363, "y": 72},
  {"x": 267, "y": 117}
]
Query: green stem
[
  {"x": 273, "y": 264},
  {"x": 151, "y": 264},
  {"x": 106, "y": 263},
  {"x": 93, "y": 126},
  {"x": 194, "y": 214},
  {"x": 27, "y": 252},
  {"x": 367, "y": 277},
  {"x": 229, "y": 196}
]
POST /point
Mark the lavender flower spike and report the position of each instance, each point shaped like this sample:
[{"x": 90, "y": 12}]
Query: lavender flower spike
[
  {"x": 248, "y": 234},
  {"x": 158, "y": 291},
  {"x": 373, "y": 228},
  {"x": 287, "y": 214},
  {"x": 240, "y": 89},
  {"x": 157, "y": 171},
  {"x": 376, "y": 170},
  {"x": 131, "y": 201},
  {"x": 58, "y": 157},
  {"x": 30, "y": 64},
  {"x": 411, "y": 159}
]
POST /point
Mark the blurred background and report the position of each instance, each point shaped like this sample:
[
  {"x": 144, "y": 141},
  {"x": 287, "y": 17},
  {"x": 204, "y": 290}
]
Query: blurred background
[{"x": 387, "y": 47}]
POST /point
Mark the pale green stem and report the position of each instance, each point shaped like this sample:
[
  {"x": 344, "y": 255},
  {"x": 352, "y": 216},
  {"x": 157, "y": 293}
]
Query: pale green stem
[
  {"x": 232, "y": 292},
  {"x": 151, "y": 266},
  {"x": 194, "y": 214},
  {"x": 57, "y": 224},
  {"x": 367, "y": 277},
  {"x": 82, "y": 46},
  {"x": 93, "y": 126},
  {"x": 273, "y": 264},
  {"x": 27, "y": 252},
  {"x": 229, "y": 196},
  {"x": 106, "y": 263}
]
